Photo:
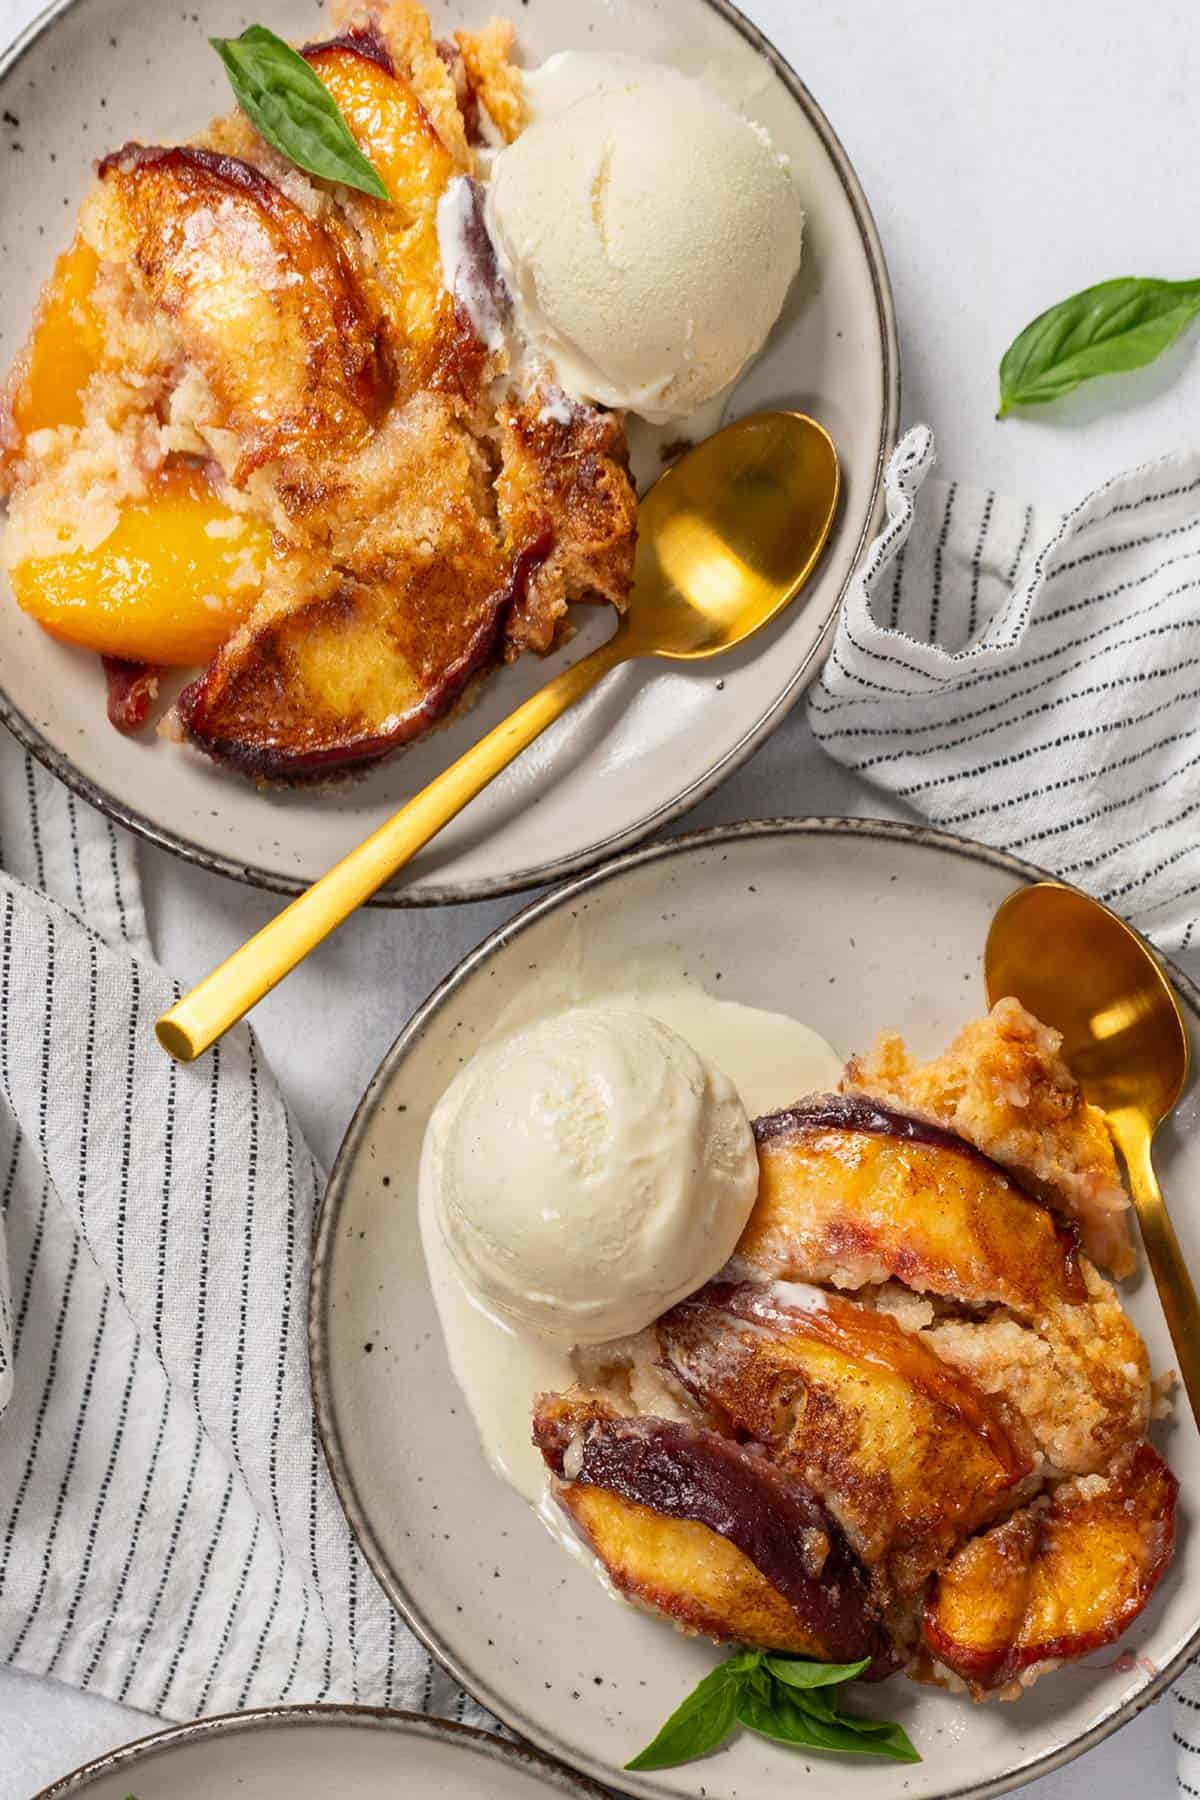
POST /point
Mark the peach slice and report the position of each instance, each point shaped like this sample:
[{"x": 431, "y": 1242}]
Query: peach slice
[
  {"x": 264, "y": 300},
  {"x": 907, "y": 1455},
  {"x": 167, "y": 586},
  {"x": 341, "y": 678},
  {"x": 1005, "y": 1086},
  {"x": 854, "y": 1193},
  {"x": 397, "y": 136},
  {"x": 63, "y": 352},
  {"x": 1061, "y": 1578},
  {"x": 715, "y": 1537}
]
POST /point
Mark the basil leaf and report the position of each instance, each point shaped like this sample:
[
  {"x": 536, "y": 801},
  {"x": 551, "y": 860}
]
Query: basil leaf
[
  {"x": 821, "y": 1705},
  {"x": 1105, "y": 330},
  {"x": 824, "y": 1706},
  {"x": 701, "y": 1722},
  {"x": 787, "y": 1721},
  {"x": 815, "y": 1702},
  {"x": 779, "y": 1697},
  {"x": 780, "y": 1718},
  {"x": 798, "y": 1673},
  {"x": 883, "y": 1738},
  {"x": 288, "y": 103},
  {"x": 759, "y": 1682}
]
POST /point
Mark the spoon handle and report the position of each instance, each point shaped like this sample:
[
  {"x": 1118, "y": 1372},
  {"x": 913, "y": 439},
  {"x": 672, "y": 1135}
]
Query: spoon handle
[
  {"x": 222, "y": 998},
  {"x": 1175, "y": 1287}
]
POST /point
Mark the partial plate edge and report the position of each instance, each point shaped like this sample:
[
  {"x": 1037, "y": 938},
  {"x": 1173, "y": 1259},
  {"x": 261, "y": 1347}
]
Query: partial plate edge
[{"x": 369, "y": 1718}]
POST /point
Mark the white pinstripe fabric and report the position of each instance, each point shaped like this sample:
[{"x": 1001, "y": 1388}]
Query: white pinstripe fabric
[
  {"x": 168, "y": 1532},
  {"x": 1035, "y": 682},
  {"x": 1186, "y": 1732}
]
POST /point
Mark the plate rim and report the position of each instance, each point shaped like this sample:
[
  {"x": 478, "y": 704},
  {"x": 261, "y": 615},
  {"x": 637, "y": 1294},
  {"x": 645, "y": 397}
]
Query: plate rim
[
  {"x": 450, "y": 893},
  {"x": 336, "y": 1187},
  {"x": 372, "y": 1718}
]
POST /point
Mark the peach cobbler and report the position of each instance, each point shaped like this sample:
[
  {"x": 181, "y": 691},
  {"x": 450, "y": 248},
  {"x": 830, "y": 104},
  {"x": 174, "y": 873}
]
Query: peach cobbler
[
  {"x": 907, "y": 1422},
  {"x": 254, "y": 433}
]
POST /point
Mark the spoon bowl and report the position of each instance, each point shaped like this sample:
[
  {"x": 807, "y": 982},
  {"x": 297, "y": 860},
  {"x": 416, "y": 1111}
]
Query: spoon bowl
[
  {"x": 1078, "y": 967},
  {"x": 729, "y": 535},
  {"x": 1123, "y": 1030},
  {"x": 726, "y": 540}
]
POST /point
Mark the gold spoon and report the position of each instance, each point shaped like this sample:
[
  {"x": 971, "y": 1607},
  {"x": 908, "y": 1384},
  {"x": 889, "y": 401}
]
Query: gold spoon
[
  {"x": 726, "y": 539},
  {"x": 1080, "y": 968}
]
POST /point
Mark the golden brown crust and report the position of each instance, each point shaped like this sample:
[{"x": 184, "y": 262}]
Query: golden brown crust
[
  {"x": 565, "y": 471},
  {"x": 378, "y": 639},
  {"x": 492, "y": 75},
  {"x": 1079, "y": 1377},
  {"x": 1004, "y": 1086}
]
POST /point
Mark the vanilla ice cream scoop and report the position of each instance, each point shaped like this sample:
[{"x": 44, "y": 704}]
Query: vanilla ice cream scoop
[
  {"x": 593, "y": 1171},
  {"x": 648, "y": 233}
]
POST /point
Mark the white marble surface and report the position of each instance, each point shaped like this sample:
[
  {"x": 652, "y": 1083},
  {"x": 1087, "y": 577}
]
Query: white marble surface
[{"x": 1011, "y": 154}]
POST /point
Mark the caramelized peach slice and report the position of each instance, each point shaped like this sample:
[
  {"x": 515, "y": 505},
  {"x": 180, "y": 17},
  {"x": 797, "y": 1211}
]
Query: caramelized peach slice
[
  {"x": 397, "y": 136},
  {"x": 702, "y": 1581},
  {"x": 702, "y": 1530},
  {"x": 907, "y": 1455},
  {"x": 1066, "y": 1576},
  {"x": 343, "y": 678},
  {"x": 167, "y": 586},
  {"x": 1005, "y": 1086},
  {"x": 264, "y": 299},
  {"x": 63, "y": 353},
  {"x": 853, "y": 1193}
]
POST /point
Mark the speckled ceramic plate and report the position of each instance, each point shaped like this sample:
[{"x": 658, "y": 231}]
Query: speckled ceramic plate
[
  {"x": 350, "y": 1752},
  {"x": 93, "y": 73},
  {"x": 851, "y": 926}
]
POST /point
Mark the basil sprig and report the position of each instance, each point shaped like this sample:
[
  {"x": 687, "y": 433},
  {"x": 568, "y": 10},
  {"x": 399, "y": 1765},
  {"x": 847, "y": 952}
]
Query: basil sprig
[
  {"x": 1105, "y": 330},
  {"x": 293, "y": 109},
  {"x": 779, "y": 1697}
]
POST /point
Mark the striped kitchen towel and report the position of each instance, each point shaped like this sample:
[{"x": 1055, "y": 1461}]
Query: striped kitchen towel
[
  {"x": 1035, "y": 682},
  {"x": 1187, "y": 1733},
  {"x": 169, "y": 1535}
]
